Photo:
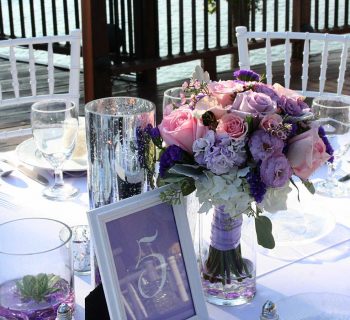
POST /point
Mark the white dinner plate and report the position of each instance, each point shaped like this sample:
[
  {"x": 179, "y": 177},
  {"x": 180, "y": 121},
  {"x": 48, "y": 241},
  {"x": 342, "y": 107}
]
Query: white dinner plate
[
  {"x": 28, "y": 154},
  {"x": 314, "y": 306}
]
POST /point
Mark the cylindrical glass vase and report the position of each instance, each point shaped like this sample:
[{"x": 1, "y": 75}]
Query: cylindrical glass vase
[
  {"x": 121, "y": 154},
  {"x": 174, "y": 98},
  {"x": 36, "y": 273},
  {"x": 226, "y": 254}
]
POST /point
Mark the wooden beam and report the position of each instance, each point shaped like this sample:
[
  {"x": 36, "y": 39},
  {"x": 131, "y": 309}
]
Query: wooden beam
[{"x": 97, "y": 75}]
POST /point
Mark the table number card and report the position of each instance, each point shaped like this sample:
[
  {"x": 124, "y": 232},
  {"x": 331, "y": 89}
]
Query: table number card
[{"x": 146, "y": 257}]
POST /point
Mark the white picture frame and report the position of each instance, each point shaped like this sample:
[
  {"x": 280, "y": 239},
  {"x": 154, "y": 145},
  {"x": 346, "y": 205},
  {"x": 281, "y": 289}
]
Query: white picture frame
[{"x": 126, "y": 298}]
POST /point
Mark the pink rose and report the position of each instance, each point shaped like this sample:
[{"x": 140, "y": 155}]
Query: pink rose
[
  {"x": 270, "y": 121},
  {"x": 255, "y": 103},
  {"x": 306, "y": 153},
  {"x": 208, "y": 103},
  {"x": 282, "y": 91},
  {"x": 223, "y": 91},
  {"x": 181, "y": 128},
  {"x": 232, "y": 125}
]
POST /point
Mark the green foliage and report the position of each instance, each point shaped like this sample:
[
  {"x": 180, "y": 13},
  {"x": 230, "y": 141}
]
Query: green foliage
[
  {"x": 263, "y": 228},
  {"x": 37, "y": 287},
  {"x": 309, "y": 186}
]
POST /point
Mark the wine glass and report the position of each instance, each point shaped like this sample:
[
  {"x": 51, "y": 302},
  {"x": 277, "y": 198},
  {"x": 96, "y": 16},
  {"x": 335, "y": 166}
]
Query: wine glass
[
  {"x": 333, "y": 114},
  {"x": 55, "y": 127},
  {"x": 174, "y": 98}
]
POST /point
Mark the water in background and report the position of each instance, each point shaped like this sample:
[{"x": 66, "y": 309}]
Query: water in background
[{"x": 178, "y": 71}]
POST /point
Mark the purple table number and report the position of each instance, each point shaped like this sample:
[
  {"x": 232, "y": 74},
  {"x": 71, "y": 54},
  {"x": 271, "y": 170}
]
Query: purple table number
[{"x": 148, "y": 266}]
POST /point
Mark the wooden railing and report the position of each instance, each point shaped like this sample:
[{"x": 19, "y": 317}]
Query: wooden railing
[{"x": 122, "y": 36}]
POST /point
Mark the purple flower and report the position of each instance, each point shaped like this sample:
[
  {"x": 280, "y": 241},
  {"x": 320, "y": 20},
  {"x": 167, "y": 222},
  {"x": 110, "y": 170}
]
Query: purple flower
[
  {"x": 262, "y": 145},
  {"x": 329, "y": 148},
  {"x": 291, "y": 106},
  {"x": 254, "y": 102},
  {"x": 154, "y": 133},
  {"x": 202, "y": 146},
  {"x": 275, "y": 171},
  {"x": 219, "y": 155},
  {"x": 168, "y": 158},
  {"x": 246, "y": 75},
  {"x": 256, "y": 186},
  {"x": 266, "y": 89}
]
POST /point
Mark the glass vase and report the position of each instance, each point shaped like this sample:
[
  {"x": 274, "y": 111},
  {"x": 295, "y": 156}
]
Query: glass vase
[
  {"x": 226, "y": 256},
  {"x": 36, "y": 269},
  {"x": 121, "y": 154}
]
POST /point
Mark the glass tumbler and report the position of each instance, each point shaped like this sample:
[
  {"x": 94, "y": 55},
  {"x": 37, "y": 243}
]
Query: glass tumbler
[
  {"x": 174, "y": 98},
  {"x": 36, "y": 269}
]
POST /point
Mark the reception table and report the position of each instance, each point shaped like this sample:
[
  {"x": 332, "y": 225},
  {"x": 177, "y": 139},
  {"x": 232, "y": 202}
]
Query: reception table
[{"x": 318, "y": 265}]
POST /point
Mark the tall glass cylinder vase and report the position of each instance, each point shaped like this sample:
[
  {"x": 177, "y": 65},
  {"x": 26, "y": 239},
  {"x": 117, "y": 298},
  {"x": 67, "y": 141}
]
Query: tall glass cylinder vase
[
  {"x": 120, "y": 150},
  {"x": 226, "y": 256},
  {"x": 36, "y": 271}
]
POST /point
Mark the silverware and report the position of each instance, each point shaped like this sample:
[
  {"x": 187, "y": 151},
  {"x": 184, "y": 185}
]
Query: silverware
[
  {"x": 344, "y": 178},
  {"x": 28, "y": 172}
]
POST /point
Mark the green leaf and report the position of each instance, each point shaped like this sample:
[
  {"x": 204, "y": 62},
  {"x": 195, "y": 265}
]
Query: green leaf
[
  {"x": 309, "y": 186},
  {"x": 263, "y": 227},
  {"x": 190, "y": 171},
  {"x": 250, "y": 122},
  {"x": 187, "y": 187}
]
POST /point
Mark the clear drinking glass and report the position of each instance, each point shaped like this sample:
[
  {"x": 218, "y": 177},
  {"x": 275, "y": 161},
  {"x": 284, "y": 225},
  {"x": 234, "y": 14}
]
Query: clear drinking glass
[
  {"x": 36, "y": 273},
  {"x": 174, "y": 98},
  {"x": 333, "y": 114},
  {"x": 55, "y": 127}
]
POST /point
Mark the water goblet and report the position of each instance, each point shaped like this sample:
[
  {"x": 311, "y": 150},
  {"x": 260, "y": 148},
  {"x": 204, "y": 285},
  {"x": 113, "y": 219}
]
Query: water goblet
[
  {"x": 174, "y": 98},
  {"x": 55, "y": 127},
  {"x": 333, "y": 114}
]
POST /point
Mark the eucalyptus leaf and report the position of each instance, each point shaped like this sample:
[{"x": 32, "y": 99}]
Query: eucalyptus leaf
[
  {"x": 263, "y": 227},
  {"x": 309, "y": 186}
]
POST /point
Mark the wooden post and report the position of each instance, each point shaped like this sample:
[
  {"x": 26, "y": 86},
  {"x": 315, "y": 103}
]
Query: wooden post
[
  {"x": 97, "y": 73},
  {"x": 146, "y": 41},
  {"x": 301, "y": 23},
  {"x": 209, "y": 64}
]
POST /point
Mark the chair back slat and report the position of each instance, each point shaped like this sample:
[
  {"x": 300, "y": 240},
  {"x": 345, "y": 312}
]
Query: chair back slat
[
  {"x": 342, "y": 66},
  {"x": 14, "y": 73},
  {"x": 268, "y": 62},
  {"x": 72, "y": 93},
  {"x": 50, "y": 68},
  {"x": 243, "y": 37},
  {"x": 287, "y": 57},
  {"x": 32, "y": 70},
  {"x": 305, "y": 66},
  {"x": 324, "y": 62}
]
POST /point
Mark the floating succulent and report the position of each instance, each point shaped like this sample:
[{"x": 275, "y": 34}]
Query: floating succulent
[{"x": 37, "y": 287}]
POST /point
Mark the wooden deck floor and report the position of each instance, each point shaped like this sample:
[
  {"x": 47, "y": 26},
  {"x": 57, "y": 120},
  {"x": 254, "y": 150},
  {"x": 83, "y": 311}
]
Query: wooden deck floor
[{"x": 18, "y": 116}]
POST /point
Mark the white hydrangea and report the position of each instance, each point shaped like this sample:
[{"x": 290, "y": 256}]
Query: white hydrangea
[
  {"x": 226, "y": 189},
  {"x": 275, "y": 199}
]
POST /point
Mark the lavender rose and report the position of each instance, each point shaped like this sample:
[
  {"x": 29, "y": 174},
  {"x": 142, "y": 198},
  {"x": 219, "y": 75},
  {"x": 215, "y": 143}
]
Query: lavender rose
[
  {"x": 255, "y": 103},
  {"x": 267, "y": 89},
  {"x": 275, "y": 171},
  {"x": 291, "y": 106},
  {"x": 262, "y": 145}
]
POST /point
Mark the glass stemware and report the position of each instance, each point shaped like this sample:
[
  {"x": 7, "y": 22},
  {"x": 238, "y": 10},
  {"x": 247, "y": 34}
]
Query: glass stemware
[
  {"x": 333, "y": 114},
  {"x": 55, "y": 127},
  {"x": 174, "y": 98}
]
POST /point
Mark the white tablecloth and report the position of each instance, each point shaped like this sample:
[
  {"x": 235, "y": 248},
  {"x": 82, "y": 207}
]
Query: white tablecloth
[{"x": 322, "y": 265}]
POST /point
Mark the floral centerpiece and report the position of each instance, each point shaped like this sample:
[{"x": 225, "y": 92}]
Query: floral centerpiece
[{"x": 239, "y": 144}]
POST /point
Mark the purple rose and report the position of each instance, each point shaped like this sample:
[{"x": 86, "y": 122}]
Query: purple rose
[
  {"x": 275, "y": 171},
  {"x": 254, "y": 102},
  {"x": 267, "y": 89},
  {"x": 291, "y": 106},
  {"x": 262, "y": 145}
]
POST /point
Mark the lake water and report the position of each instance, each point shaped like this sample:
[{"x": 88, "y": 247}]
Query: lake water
[{"x": 183, "y": 70}]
